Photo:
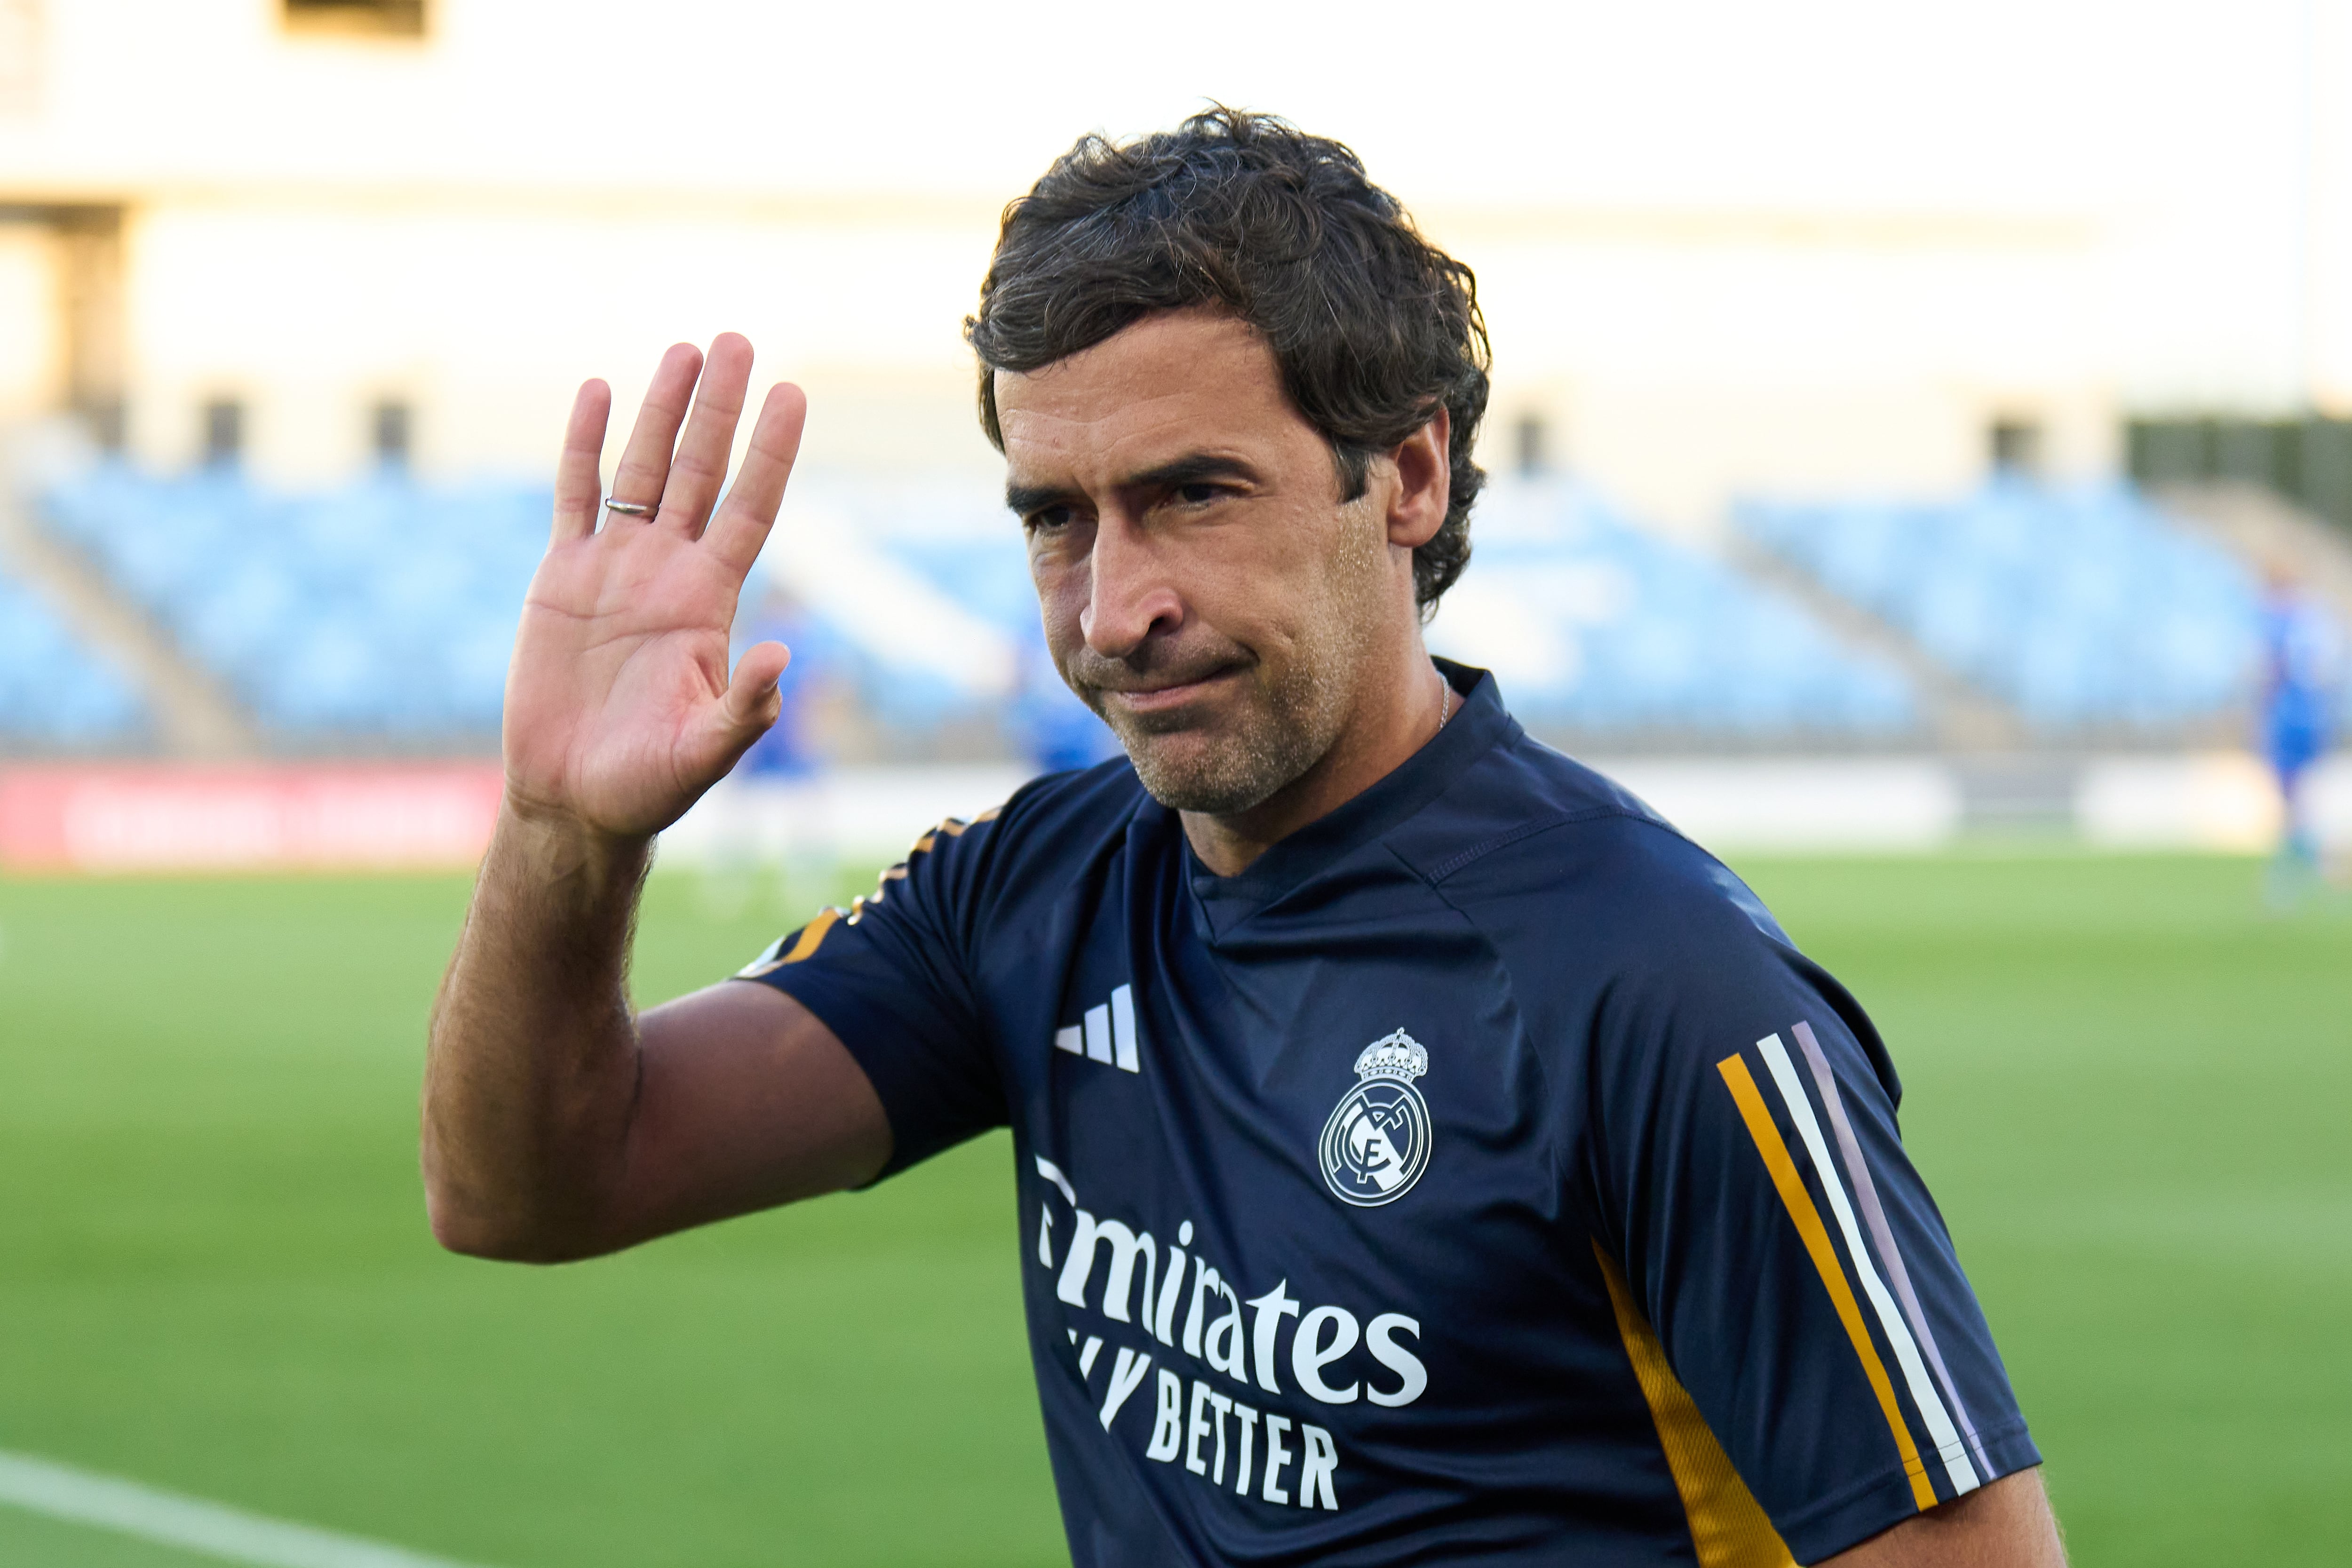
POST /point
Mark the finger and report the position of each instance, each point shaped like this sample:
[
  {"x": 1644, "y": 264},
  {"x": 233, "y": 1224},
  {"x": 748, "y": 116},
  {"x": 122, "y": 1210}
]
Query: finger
[
  {"x": 644, "y": 462},
  {"x": 701, "y": 465},
  {"x": 742, "y": 524},
  {"x": 753, "y": 700},
  {"x": 579, "y": 472}
]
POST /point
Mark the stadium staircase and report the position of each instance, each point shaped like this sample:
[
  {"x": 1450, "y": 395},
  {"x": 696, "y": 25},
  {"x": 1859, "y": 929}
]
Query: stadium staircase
[
  {"x": 189, "y": 714},
  {"x": 1956, "y": 715},
  {"x": 2263, "y": 529}
]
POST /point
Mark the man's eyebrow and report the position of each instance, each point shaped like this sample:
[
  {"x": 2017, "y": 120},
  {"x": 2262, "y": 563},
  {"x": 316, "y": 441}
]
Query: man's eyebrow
[
  {"x": 1188, "y": 469},
  {"x": 1023, "y": 499}
]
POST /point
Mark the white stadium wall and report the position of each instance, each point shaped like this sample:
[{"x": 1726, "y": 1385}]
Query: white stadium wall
[
  {"x": 1831, "y": 368},
  {"x": 1702, "y": 281},
  {"x": 485, "y": 321}
]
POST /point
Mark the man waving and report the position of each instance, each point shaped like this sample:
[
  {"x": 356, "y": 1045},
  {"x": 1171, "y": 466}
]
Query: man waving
[{"x": 1424, "y": 1154}]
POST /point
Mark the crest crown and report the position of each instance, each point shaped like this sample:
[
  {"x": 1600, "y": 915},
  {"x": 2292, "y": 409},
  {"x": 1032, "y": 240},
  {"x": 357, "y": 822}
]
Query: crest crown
[{"x": 1397, "y": 1056}]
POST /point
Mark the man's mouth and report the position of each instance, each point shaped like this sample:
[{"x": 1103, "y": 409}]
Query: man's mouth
[{"x": 1165, "y": 696}]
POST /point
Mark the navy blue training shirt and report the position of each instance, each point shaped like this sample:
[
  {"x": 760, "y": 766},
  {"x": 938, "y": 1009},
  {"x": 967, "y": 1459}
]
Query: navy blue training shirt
[{"x": 1479, "y": 1177}]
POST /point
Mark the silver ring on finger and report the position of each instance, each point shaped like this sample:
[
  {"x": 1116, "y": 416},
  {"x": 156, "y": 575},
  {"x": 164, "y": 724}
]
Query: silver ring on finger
[{"x": 631, "y": 508}]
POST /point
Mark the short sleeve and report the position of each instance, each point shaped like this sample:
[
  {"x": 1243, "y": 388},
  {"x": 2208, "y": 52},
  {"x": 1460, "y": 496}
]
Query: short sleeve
[
  {"x": 1799, "y": 1279},
  {"x": 892, "y": 977}
]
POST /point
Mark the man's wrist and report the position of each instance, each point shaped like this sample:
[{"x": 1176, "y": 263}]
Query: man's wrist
[{"x": 557, "y": 848}]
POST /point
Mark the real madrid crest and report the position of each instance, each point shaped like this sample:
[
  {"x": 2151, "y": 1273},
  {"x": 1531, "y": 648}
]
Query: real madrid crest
[{"x": 1376, "y": 1144}]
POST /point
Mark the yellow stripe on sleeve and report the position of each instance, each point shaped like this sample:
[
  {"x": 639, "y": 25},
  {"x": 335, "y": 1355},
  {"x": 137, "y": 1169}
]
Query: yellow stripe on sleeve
[
  {"x": 954, "y": 827},
  {"x": 805, "y": 946},
  {"x": 813, "y": 935},
  {"x": 1728, "y": 1527},
  {"x": 1799, "y": 1205}
]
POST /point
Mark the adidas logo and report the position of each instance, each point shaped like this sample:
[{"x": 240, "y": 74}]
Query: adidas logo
[{"x": 1106, "y": 1036}]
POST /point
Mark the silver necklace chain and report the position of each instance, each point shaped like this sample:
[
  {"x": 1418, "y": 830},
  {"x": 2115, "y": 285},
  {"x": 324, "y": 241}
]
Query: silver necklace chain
[{"x": 1444, "y": 696}]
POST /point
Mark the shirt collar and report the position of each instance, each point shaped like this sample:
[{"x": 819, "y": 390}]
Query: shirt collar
[{"x": 1477, "y": 727}]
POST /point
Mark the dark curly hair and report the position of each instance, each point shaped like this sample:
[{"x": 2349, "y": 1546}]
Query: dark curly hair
[{"x": 1374, "y": 328}]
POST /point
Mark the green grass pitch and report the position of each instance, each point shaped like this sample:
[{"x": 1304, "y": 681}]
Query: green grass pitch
[{"x": 2128, "y": 1086}]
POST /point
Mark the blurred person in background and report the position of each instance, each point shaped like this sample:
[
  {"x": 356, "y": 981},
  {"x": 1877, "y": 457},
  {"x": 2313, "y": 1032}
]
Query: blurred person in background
[
  {"x": 1425, "y": 1153},
  {"x": 1055, "y": 732},
  {"x": 2302, "y": 661},
  {"x": 770, "y": 823}
]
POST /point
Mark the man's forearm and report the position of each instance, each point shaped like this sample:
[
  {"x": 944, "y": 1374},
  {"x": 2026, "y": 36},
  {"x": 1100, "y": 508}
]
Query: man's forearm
[{"x": 531, "y": 1070}]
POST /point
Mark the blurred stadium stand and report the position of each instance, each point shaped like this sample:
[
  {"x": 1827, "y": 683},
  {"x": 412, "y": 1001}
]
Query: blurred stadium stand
[
  {"x": 378, "y": 617},
  {"x": 1594, "y": 625},
  {"x": 1598, "y": 628},
  {"x": 2085, "y": 610},
  {"x": 58, "y": 694},
  {"x": 381, "y": 614}
]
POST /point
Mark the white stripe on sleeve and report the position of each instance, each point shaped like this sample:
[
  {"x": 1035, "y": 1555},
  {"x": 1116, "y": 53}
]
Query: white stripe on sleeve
[
  {"x": 1873, "y": 1215},
  {"x": 1948, "y": 1446}
]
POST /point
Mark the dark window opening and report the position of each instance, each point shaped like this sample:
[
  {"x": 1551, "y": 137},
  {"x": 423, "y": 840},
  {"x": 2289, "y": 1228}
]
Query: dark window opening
[
  {"x": 2016, "y": 446},
  {"x": 2255, "y": 453},
  {"x": 366, "y": 19},
  {"x": 391, "y": 427},
  {"x": 2307, "y": 460},
  {"x": 224, "y": 432},
  {"x": 1534, "y": 454},
  {"x": 106, "y": 423}
]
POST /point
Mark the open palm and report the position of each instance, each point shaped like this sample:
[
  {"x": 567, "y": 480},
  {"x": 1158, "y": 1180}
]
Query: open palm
[{"x": 619, "y": 709}]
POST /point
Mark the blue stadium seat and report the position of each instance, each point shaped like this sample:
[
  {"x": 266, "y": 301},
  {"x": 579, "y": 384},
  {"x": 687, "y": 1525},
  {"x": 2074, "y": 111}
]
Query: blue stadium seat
[
  {"x": 2085, "y": 608},
  {"x": 56, "y": 694},
  {"x": 1596, "y": 625},
  {"x": 386, "y": 608},
  {"x": 382, "y": 610}
]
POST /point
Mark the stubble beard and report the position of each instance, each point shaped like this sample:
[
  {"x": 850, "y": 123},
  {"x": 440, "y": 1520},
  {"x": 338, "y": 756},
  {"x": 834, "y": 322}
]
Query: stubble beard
[
  {"x": 1284, "y": 728},
  {"x": 1287, "y": 720}
]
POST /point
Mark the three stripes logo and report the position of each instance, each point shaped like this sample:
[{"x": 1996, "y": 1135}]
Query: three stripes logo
[
  {"x": 1870, "y": 1246},
  {"x": 1108, "y": 1034}
]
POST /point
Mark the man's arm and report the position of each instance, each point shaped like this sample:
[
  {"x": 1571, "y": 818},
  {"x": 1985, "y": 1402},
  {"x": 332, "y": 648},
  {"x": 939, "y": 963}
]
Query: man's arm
[
  {"x": 558, "y": 1127},
  {"x": 2007, "y": 1524},
  {"x": 555, "y": 1124}
]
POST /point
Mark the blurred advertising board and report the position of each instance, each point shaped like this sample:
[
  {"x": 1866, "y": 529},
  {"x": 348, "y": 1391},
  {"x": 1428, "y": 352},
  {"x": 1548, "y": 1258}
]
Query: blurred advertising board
[
  {"x": 294, "y": 817},
  {"x": 432, "y": 817}
]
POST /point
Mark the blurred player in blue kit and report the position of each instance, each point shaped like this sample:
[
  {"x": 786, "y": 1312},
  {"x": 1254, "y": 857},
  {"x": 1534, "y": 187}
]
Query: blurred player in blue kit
[
  {"x": 1422, "y": 1152},
  {"x": 768, "y": 816},
  {"x": 1054, "y": 729},
  {"x": 2301, "y": 656},
  {"x": 784, "y": 750}
]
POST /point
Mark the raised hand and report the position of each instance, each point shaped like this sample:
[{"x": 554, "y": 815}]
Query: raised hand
[{"x": 619, "y": 710}]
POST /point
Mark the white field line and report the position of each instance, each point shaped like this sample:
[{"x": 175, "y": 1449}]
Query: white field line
[{"x": 61, "y": 1491}]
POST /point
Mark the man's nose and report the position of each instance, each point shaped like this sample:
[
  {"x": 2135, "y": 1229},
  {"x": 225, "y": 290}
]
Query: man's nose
[{"x": 1128, "y": 592}]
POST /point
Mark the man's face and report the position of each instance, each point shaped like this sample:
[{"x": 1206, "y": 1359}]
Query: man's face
[{"x": 1204, "y": 588}]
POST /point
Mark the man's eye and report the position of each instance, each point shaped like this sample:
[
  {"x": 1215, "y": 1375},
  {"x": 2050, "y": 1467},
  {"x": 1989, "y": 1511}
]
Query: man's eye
[
  {"x": 1049, "y": 520},
  {"x": 1198, "y": 494}
]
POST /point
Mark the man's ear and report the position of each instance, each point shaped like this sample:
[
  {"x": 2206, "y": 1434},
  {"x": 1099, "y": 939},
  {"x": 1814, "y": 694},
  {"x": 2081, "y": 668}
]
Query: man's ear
[{"x": 1424, "y": 483}]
